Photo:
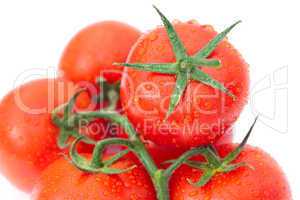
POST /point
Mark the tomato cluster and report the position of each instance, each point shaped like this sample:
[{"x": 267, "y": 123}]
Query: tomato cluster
[{"x": 137, "y": 116}]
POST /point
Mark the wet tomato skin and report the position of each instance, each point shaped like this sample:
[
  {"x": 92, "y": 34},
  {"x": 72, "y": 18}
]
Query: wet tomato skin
[
  {"x": 62, "y": 180},
  {"x": 161, "y": 153},
  {"x": 203, "y": 114},
  {"x": 265, "y": 181},
  {"x": 27, "y": 134}
]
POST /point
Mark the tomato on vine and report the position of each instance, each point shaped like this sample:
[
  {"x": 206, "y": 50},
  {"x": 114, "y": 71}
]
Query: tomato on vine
[
  {"x": 160, "y": 175},
  {"x": 260, "y": 178},
  {"x": 184, "y": 85}
]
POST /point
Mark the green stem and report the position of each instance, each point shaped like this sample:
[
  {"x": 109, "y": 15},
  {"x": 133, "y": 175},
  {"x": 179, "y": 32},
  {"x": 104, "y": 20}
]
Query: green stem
[
  {"x": 182, "y": 159},
  {"x": 161, "y": 184},
  {"x": 99, "y": 148},
  {"x": 158, "y": 178},
  {"x": 109, "y": 93}
]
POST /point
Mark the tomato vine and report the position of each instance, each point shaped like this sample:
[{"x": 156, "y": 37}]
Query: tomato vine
[{"x": 185, "y": 69}]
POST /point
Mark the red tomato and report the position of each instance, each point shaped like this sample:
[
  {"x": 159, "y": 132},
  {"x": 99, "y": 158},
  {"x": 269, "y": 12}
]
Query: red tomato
[
  {"x": 227, "y": 138},
  {"x": 265, "y": 181},
  {"x": 203, "y": 114},
  {"x": 161, "y": 153},
  {"x": 97, "y": 129},
  {"x": 95, "y": 48},
  {"x": 27, "y": 135},
  {"x": 62, "y": 180}
]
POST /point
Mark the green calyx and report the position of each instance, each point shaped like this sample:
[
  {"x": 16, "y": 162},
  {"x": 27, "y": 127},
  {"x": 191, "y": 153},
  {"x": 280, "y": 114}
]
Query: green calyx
[
  {"x": 214, "y": 164},
  {"x": 186, "y": 67}
]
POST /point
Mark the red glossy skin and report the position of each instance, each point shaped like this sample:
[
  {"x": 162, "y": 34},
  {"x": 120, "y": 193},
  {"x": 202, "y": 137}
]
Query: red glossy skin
[
  {"x": 266, "y": 181},
  {"x": 227, "y": 138},
  {"x": 95, "y": 48},
  {"x": 161, "y": 153},
  {"x": 210, "y": 110},
  {"x": 62, "y": 180},
  {"x": 28, "y": 140}
]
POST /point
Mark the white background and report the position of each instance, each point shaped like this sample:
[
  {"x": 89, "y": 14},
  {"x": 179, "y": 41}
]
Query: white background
[{"x": 34, "y": 33}]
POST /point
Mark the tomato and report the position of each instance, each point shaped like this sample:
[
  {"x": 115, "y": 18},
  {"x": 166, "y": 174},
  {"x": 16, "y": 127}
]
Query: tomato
[
  {"x": 265, "y": 181},
  {"x": 95, "y": 48},
  {"x": 161, "y": 153},
  {"x": 203, "y": 114},
  {"x": 98, "y": 129},
  {"x": 27, "y": 135},
  {"x": 61, "y": 180},
  {"x": 226, "y": 138}
]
